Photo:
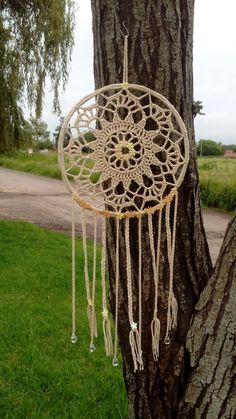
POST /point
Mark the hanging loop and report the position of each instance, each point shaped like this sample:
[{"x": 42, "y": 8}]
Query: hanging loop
[
  {"x": 125, "y": 59},
  {"x": 125, "y": 35}
]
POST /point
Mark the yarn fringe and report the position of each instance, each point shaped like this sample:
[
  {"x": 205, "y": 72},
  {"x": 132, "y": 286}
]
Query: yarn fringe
[
  {"x": 107, "y": 336},
  {"x": 134, "y": 340},
  {"x": 92, "y": 320},
  {"x": 155, "y": 330},
  {"x": 173, "y": 312}
]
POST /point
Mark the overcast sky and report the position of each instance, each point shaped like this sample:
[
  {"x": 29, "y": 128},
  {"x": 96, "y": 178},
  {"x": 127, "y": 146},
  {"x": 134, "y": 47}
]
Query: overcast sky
[{"x": 214, "y": 68}]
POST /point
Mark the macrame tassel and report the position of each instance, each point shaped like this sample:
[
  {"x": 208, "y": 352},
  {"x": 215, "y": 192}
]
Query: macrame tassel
[
  {"x": 134, "y": 340},
  {"x": 106, "y": 321},
  {"x": 155, "y": 330},
  {"x": 174, "y": 303},
  {"x": 91, "y": 314},
  {"x": 155, "y": 325},
  {"x": 173, "y": 312},
  {"x": 134, "y": 336},
  {"x": 107, "y": 336}
]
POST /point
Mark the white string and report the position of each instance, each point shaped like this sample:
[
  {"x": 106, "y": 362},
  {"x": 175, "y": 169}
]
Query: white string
[
  {"x": 169, "y": 246},
  {"x": 134, "y": 337},
  {"x": 73, "y": 336},
  {"x": 140, "y": 276},
  {"x": 129, "y": 275},
  {"x": 86, "y": 273},
  {"x": 103, "y": 268},
  {"x": 172, "y": 303},
  {"x": 94, "y": 326},
  {"x": 154, "y": 267},
  {"x": 115, "y": 360},
  {"x": 125, "y": 63},
  {"x": 158, "y": 255},
  {"x": 90, "y": 300},
  {"x": 106, "y": 320},
  {"x": 155, "y": 325}
]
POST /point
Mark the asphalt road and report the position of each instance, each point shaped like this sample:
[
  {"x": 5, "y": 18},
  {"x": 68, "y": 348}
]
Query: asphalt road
[{"x": 47, "y": 203}]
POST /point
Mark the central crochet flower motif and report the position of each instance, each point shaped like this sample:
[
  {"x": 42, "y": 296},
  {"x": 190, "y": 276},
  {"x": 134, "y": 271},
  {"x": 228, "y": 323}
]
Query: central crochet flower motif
[{"x": 124, "y": 150}]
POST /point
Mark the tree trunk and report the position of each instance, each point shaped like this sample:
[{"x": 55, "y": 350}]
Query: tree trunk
[
  {"x": 211, "y": 390},
  {"x": 160, "y": 57}
]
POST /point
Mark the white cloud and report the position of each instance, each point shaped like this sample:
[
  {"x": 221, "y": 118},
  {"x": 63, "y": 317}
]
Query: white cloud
[{"x": 214, "y": 68}]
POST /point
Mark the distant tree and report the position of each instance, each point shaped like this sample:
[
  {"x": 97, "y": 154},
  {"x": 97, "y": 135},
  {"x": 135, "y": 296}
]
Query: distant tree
[
  {"x": 56, "y": 133},
  {"x": 209, "y": 148},
  {"x": 36, "y": 40},
  {"x": 230, "y": 147},
  {"x": 197, "y": 108},
  {"x": 40, "y": 134}
]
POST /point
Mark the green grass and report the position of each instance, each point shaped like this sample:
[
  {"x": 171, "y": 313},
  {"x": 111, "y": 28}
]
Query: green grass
[
  {"x": 43, "y": 375},
  {"x": 218, "y": 182},
  {"x": 44, "y": 164}
]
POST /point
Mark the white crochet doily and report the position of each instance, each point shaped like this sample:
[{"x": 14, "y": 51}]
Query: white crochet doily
[{"x": 123, "y": 149}]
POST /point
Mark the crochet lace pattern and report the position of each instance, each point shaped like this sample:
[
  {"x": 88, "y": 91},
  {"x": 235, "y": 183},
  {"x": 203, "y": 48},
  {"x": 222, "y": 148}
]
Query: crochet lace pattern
[{"x": 126, "y": 149}]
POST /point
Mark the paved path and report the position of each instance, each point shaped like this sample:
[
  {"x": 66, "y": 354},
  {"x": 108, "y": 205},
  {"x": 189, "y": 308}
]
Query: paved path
[{"x": 46, "y": 202}]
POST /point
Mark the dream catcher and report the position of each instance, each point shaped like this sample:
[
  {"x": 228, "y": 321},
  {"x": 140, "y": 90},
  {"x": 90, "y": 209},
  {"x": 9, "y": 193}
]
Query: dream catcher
[{"x": 123, "y": 153}]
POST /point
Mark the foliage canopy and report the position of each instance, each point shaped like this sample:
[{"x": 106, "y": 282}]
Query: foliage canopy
[
  {"x": 36, "y": 40},
  {"x": 209, "y": 148}
]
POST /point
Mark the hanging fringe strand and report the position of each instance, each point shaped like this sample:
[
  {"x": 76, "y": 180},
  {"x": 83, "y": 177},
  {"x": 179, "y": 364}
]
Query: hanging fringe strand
[
  {"x": 155, "y": 331},
  {"x": 134, "y": 340},
  {"x": 117, "y": 270},
  {"x": 140, "y": 279},
  {"x": 106, "y": 321},
  {"x": 92, "y": 303},
  {"x": 125, "y": 63},
  {"x": 172, "y": 310},
  {"x": 73, "y": 335},
  {"x": 92, "y": 319},
  {"x": 134, "y": 336},
  {"x": 90, "y": 309},
  {"x": 155, "y": 325},
  {"x": 107, "y": 336}
]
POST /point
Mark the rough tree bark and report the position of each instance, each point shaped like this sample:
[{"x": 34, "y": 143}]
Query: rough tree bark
[
  {"x": 160, "y": 57},
  {"x": 211, "y": 390}
]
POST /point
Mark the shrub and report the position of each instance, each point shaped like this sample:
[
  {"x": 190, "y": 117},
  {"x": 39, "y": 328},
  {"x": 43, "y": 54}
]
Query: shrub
[{"x": 218, "y": 182}]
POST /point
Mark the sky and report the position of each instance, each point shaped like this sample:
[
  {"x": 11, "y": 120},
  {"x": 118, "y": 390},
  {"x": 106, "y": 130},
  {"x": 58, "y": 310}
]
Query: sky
[{"x": 214, "y": 69}]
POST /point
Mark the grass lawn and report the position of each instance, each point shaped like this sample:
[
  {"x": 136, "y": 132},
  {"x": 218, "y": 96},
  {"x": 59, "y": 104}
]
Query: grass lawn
[
  {"x": 44, "y": 164},
  {"x": 43, "y": 375}
]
